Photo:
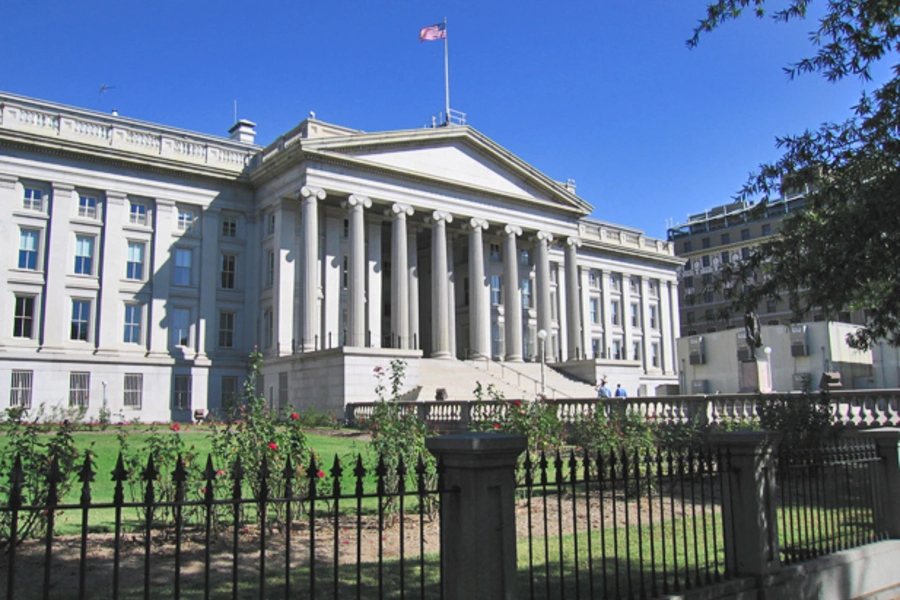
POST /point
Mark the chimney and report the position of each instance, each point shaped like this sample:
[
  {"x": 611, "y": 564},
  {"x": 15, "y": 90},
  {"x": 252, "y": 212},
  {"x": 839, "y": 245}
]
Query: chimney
[{"x": 243, "y": 131}]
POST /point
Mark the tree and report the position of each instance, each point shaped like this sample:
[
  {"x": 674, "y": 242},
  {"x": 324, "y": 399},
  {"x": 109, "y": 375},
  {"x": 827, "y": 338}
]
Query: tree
[{"x": 843, "y": 251}]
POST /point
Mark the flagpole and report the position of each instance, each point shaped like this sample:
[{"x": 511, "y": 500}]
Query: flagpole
[{"x": 446, "y": 76}]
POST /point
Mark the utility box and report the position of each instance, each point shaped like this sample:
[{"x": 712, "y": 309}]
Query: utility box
[{"x": 697, "y": 351}]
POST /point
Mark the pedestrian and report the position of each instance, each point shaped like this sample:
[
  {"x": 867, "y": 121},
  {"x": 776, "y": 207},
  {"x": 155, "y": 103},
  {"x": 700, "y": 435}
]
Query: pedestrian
[
  {"x": 620, "y": 391},
  {"x": 603, "y": 391}
]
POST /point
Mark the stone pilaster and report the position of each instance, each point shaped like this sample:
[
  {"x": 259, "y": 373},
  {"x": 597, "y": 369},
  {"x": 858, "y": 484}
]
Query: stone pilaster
[
  {"x": 164, "y": 213},
  {"x": 57, "y": 305},
  {"x": 400, "y": 276},
  {"x": 356, "y": 327},
  {"x": 512, "y": 297},
  {"x": 111, "y": 258},
  {"x": 479, "y": 293},
  {"x": 309, "y": 264},
  {"x": 210, "y": 264},
  {"x": 440, "y": 289},
  {"x": 576, "y": 348}
]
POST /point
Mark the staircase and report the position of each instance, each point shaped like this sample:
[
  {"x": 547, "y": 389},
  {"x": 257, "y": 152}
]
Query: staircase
[
  {"x": 526, "y": 376},
  {"x": 460, "y": 378}
]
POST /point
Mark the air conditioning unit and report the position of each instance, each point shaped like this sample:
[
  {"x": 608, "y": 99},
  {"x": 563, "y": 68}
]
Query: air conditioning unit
[
  {"x": 700, "y": 386},
  {"x": 799, "y": 345},
  {"x": 697, "y": 351}
]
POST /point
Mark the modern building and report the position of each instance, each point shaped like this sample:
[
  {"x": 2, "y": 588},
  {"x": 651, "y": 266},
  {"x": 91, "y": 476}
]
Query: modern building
[{"x": 145, "y": 262}]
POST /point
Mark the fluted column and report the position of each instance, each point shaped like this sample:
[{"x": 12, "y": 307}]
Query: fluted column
[
  {"x": 573, "y": 295},
  {"x": 440, "y": 289},
  {"x": 542, "y": 282},
  {"x": 479, "y": 319},
  {"x": 400, "y": 276},
  {"x": 413, "y": 282},
  {"x": 356, "y": 328},
  {"x": 512, "y": 298},
  {"x": 309, "y": 252}
]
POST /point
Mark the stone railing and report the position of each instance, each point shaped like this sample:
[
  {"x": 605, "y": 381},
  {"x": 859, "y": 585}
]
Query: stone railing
[
  {"x": 857, "y": 409},
  {"x": 145, "y": 139},
  {"x": 610, "y": 234}
]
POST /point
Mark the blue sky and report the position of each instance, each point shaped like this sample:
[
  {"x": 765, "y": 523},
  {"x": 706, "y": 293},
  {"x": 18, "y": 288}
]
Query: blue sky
[{"x": 603, "y": 92}]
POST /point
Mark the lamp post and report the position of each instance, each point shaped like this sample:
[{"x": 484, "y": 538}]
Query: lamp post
[
  {"x": 542, "y": 335},
  {"x": 768, "y": 351}
]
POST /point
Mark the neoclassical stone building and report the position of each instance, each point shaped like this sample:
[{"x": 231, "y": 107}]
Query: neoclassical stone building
[{"x": 144, "y": 263}]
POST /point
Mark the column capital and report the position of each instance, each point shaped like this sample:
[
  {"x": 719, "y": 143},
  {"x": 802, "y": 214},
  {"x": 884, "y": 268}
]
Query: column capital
[
  {"x": 439, "y": 216},
  {"x": 513, "y": 230},
  {"x": 399, "y": 209},
  {"x": 115, "y": 197},
  {"x": 476, "y": 223},
  {"x": 573, "y": 241},
  {"x": 543, "y": 236},
  {"x": 357, "y": 200},
  {"x": 311, "y": 192}
]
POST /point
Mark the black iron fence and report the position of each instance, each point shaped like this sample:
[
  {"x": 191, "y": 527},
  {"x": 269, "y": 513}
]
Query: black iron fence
[
  {"x": 344, "y": 531},
  {"x": 623, "y": 525},
  {"x": 830, "y": 498}
]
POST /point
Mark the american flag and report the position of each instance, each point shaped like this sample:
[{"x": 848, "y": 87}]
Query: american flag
[{"x": 433, "y": 32}]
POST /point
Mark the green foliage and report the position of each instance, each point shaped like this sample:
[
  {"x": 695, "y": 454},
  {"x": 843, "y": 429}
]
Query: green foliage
[
  {"x": 538, "y": 421},
  {"x": 491, "y": 390},
  {"x": 841, "y": 252},
  {"x": 37, "y": 454},
  {"x": 803, "y": 420},
  {"x": 316, "y": 419},
  {"x": 622, "y": 430}
]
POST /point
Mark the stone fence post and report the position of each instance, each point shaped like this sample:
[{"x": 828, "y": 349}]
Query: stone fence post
[
  {"x": 887, "y": 445},
  {"x": 478, "y": 517},
  {"x": 749, "y": 519}
]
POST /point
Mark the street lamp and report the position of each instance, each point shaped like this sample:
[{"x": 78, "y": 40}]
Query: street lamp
[
  {"x": 768, "y": 351},
  {"x": 542, "y": 335}
]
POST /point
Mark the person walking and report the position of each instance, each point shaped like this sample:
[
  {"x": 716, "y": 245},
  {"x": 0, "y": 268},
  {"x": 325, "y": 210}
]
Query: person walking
[
  {"x": 620, "y": 391},
  {"x": 603, "y": 391}
]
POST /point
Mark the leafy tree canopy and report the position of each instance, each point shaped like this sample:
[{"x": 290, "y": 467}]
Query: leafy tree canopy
[{"x": 843, "y": 251}]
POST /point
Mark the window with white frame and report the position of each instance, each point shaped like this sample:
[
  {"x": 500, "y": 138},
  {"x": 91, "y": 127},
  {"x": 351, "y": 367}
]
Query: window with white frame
[
  {"x": 133, "y": 323},
  {"x": 20, "y": 388},
  {"x": 137, "y": 212},
  {"x": 134, "y": 390},
  {"x": 634, "y": 285},
  {"x": 84, "y": 255},
  {"x": 229, "y": 262},
  {"x": 635, "y": 315},
  {"x": 615, "y": 282},
  {"x": 229, "y": 227},
  {"x": 553, "y": 306},
  {"x": 23, "y": 319},
  {"x": 226, "y": 329},
  {"x": 33, "y": 199},
  {"x": 181, "y": 399},
  {"x": 181, "y": 327},
  {"x": 81, "y": 320},
  {"x": 654, "y": 322},
  {"x": 29, "y": 240},
  {"x": 496, "y": 283},
  {"x": 345, "y": 273},
  {"x": 653, "y": 288},
  {"x": 596, "y": 348},
  {"x": 614, "y": 312},
  {"x": 186, "y": 218},
  {"x": 654, "y": 354},
  {"x": 87, "y": 207},
  {"x": 594, "y": 304},
  {"x": 636, "y": 351},
  {"x": 496, "y": 340},
  {"x": 617, "y": 350},
  {"x": 79, "y": 389},
  {"x": 526, "y": 293},
  {"x": 495, "y": 252},
  {"x": 525, "y": 258},
  {"x": 182, "y": 273},
  {"x": 134, "y": 268},
  {"x": 270, "y": 269},
  {"x": 593, "y": 279},
  {"x": 271, "y": 224}
]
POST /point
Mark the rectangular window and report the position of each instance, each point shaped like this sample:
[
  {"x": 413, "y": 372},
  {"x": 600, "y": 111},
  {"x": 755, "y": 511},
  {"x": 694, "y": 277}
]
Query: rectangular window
[
  {"x": 28, "y": 249},
  {"x": 132, "y": 324},
  {"x": 745, "y": 234},
  {"x": 268, "y": 328},
  {"x": 688, "y": 246},
  {"x": 495, "y": 253},
  {"x": 634, "y": 285},
  {"x": 689, "y": 282},
  {"x": 553, "y": 304},
  {"x": 705, "y": 260},
  {"x": 614, "y": 312},
  {"x": 726, "y": 238},
  {"x": 745, "y": 253},
  {"x": 20, "y": 388},
  {"x": 346, "y": 228},
  {"x": 654, "y": 354},
  {"x": 617, "y": 350},
  {"x": 708, "y": 297},
  {"x": 33, "y": 199},
  {"x": 87, "y": 207},
  {"x": 496, "y": 297},
  {"x": 182, "y": 267},
  {"x": 524, "y": 258},
  {"x": 496, "y": 340},
  {"x": 595, "y": 310},
  {"x": 705, "y": 243},
  {"x": 84, "y": 255},
  {"x": 636, "y": 351},
  {"x": 271, "y": 222},
  {"x": 526, "y": 293},
  {"x": 726, "y": 258},
  {"x": 689, "y": 299},
  {"x": 690, "y": 317},
  {"x": 270, "y": 269},
  {"x": 181, "y": 399},
  {"x": 134, "y": 390},
  {"x": 228, "y": 270},
  {"x": 767, "y": 229},
  {"x": 137, "y": 213},
  {"x": 654, "y": 324},
  {"x": 615, "y": 282},
  {"x": 707, "y": 279},
  {"x": 283, "y": 390},
  {"x": 186, "y": 219},
  {"x": 134, "y": 268},
  {"x": 79, "y": 389},
  {"x": 226, "y": 329},
  {"x": 229, "y": 393},
  {"x": 81, "y": 320},
  {"x": 229, "y": 227},
  {"x": 595, "y": 348},
  {"x": 181, "y": 327},
  {"x": 23, "y": 321},
  {"x": 635, "y": 316},
  {"x": 593, "y": 279}
]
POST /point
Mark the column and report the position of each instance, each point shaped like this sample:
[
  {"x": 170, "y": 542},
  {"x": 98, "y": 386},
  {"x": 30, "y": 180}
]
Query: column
[
  {"x": 55, "y": 254},
  {"x": 542, "y": 283},
  {"x": 673, "y": 328},
  {"x": 413, "y": 265},
  {"x": 451, "y": 292},
  {"x": 606, "y": 300},
  {"x": 309, "y": 263},
  {"x": 440, "y": 288},
  {"x": 162, "y": 275},
  {"x": 356, "y": 290},
  {"x": 210, "y": 264},
  {"x": 512, "y": 299},
  {"x": 573, "y": 304},
  {"x": 400, "y": 276},
  {"x": 284, "y": 286},
  {"x": 626, "y": 316},
  {"x": 373, "y": 294},
  {"x": 479, "y": 292},
  {"x": 647, "y": 331},
  {"x": 112, "y": 261},
  {"x": 9, "y": 201}
]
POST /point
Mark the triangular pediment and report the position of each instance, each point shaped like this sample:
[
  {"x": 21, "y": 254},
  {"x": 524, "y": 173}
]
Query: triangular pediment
[{"x": 459, "y": 156}]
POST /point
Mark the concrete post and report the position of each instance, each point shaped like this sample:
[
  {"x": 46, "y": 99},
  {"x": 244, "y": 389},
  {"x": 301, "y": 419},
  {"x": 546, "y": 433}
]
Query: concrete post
[
  {"x": 749, "y": 516},
  {"x": 479, "y": 545},
  {"x": 887, "y": 445}
]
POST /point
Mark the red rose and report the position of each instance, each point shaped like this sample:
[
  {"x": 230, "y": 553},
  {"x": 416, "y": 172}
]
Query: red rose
[
  {"x": 295, "y": 416},
  {"x": 321, "y": 474},
  {"x": 517, "y": 403},
  {"x": 203, "y": 491},
  {"x": 496, "y": 425},
  {"x": 176, "y": 427},
  {"x": 273, "y": 445}
]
